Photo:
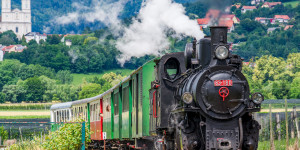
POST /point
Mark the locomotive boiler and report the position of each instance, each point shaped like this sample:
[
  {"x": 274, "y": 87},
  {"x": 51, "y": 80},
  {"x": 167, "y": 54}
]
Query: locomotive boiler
[{"x": 192, "y": 100}]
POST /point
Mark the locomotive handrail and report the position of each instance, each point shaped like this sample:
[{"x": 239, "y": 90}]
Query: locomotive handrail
[{"x": 154, "y": 104}]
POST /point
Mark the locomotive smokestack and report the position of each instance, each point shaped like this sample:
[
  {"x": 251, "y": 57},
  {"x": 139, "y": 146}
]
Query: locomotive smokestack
[{"x": 218, "y": 35}]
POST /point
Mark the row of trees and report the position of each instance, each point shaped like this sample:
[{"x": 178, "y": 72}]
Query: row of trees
[
  {"x": 34, "y": 83},
  {"x": 275, "y": 77}
]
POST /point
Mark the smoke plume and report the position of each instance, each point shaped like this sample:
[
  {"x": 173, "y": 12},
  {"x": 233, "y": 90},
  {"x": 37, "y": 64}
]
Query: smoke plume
[
  {"x": 105, "y": 11},
  {"x": 147, "y": 35}
]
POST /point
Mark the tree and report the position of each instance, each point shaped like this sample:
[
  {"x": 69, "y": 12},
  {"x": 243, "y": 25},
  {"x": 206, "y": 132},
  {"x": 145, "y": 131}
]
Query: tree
[
  {"x": 53, "y": 39},
  {"x": 293, "y": 61},
  {"x": 14, "y": 93},
  {"x": 2, "y": 97},
  {"x": 267, "y": 67},
  {"x": 35, "y": 89},
  {"x": 64, "y": 76},
  {"x": 295, "y": 87},
  {"x": 90, "y": 90}
]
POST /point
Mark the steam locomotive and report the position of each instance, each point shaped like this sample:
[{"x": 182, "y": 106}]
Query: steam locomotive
[{"x": 196, "y": 99}]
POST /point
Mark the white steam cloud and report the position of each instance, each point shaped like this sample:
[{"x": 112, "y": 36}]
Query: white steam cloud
[
  {"x": 105, "y": 11},
  {"x": 147, "y": 34}
]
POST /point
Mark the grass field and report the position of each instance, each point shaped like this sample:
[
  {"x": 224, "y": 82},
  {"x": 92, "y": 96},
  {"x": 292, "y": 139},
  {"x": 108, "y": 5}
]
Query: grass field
[
  {"x": 78, "y": 78},
  {"x": 25, "y": 113},
  {"x": 25, "y": 117},
  {"x": 279, "y": 145},
  {"x": 293, "y": 3}
]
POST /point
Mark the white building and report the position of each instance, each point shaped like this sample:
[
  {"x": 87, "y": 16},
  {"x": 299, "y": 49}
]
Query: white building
[
  {"x": 19, "y": 21},
  {"x": 247, "y": 8},
  {"x": 35, "y": 36}
]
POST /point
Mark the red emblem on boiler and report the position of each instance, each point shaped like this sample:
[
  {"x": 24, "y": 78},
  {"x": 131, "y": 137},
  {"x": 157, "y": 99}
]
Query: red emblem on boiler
[{"x": 224, "y": 92}]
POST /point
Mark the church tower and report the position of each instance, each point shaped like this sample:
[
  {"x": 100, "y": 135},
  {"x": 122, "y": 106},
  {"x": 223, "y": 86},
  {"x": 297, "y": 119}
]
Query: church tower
[
  {"x": 6, "y": 6},
  {"x": 19, "y": 21},
  {"x": 26, "y": 9}
]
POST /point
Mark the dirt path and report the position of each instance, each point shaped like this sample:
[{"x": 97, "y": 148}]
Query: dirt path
[{"x": 25, "y": 113}]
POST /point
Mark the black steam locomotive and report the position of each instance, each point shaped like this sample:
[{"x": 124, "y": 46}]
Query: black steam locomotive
[
  {"x": 207, "y": 103},
  {"x": 193, "y": 100}
]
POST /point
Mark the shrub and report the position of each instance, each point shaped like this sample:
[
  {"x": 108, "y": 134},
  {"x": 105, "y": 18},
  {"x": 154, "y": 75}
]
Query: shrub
[{"x": 67, "y": 137}]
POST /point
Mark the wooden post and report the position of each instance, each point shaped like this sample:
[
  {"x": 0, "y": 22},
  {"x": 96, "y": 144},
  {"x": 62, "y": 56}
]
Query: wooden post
[
  {"x": 287, "y": 126},
  {"x": 271, "y": 129},
  {"x": 262, "y": 125},
  {"x": 278, "y": 126},
  {"x": 21, "y": 134},
  {"x": 296, "y": 122},
  {"x": 292, "y": 125}
]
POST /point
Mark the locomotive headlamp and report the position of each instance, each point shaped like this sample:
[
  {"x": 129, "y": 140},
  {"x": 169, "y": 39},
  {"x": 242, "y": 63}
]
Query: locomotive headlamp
[
  {"x": 222, "y": 52},
  {"x": 257, "y": 98},
  {"x": 187, "y": 97}
]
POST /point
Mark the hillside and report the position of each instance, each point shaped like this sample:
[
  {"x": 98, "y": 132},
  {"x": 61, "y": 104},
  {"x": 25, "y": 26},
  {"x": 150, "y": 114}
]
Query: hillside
[{"x": 44, "y": 11}]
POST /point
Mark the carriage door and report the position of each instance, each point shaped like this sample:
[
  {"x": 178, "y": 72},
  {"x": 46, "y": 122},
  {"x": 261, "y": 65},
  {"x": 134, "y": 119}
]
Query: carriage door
[{"x": 101, "y": 118}]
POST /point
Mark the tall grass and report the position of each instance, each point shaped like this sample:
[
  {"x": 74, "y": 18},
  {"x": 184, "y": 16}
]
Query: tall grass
[
  {"x": 35, "y": 144},
  {"x": 279, "y": 145}
]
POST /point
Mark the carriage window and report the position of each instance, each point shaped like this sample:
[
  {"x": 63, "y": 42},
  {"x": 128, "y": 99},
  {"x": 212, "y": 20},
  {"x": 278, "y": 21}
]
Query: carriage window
[
  {"x": 172, "y": 68},
  {"x": 116, "y": 103},
  {"x": 125, "y": 99}
]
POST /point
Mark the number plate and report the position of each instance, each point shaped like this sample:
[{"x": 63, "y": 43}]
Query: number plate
[{"x": 223, "y": 82}]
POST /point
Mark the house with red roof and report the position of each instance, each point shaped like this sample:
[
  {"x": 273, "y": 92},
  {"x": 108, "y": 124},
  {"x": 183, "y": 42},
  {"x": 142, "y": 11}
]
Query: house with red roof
[
  {"x": 232, "y": 17},
  {"x": 13, "y": 48},
  {"x": 237, "y": 6},
  {"x": 203, "y": 22},
  {"x": 212, "y": 13},
  {"x": 247, "y": 8},
  {"x": 264, "y": 20},
  {"x": 288, "y": 27},
  {"x": 282, "y": 18},
  {"x": 228, "y": 23},
  {"x": 270, "y": 4}
]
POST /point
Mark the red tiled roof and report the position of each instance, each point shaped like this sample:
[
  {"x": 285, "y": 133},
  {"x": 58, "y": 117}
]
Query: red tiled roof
[
  {"x": 8, "y": 47},
  {"x": 203, "y": 21},
  {"x": 212, "y": 13},
  {"x": 249, "y": 7},
  {"x": 259, "y": 18},
  {"x": 228, "y": 16},
  {"x": 271, "y": 4},
  {"x": 237, "y": 6},
  {"x": 282, "y": 17},
  {"x": 227, "y": 23},
  {"x": 288, "y": 26}
]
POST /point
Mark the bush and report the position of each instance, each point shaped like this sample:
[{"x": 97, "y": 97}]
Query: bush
[{"x": 67, "y": 137}]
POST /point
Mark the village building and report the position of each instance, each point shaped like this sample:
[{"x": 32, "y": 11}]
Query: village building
[
  {"x": 19, "y": 21},
  {"x": 232, "y": 17},
  {"x": 35, "y": 36},
  {"x": 270, "y": 30},
  {"x": 288, "y": 27},
  {"x": 263, "y": 20},
  {"x": 282, "y": 18},
  {"x": 270, "y": 4},
  {"x": 256, "y": 2},
  {"x": 13, "y": 48},
  {"x": 203, "y": 22},
  {"x": 247, "y": 8},
  {"x": 228, "y": 23}
]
